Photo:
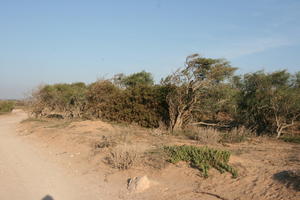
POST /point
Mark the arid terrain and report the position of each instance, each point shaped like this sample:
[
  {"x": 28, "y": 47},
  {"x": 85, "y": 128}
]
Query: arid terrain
[{"x": 68, "y": 160}]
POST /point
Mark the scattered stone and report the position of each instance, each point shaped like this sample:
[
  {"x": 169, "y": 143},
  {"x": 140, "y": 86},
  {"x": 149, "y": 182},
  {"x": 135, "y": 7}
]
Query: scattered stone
[{"x": 138, "y": 184}]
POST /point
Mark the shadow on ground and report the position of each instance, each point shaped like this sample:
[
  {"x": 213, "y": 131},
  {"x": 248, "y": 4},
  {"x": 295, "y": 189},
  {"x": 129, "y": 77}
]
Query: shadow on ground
[
  {"x": 47, "y": 197},
  {"x": 290, "y": 179}
]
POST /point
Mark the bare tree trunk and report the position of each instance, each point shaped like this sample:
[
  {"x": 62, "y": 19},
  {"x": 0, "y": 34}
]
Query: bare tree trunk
[
  {"x": 279, "y": 131},
  {"x": 281, "y": 127},
  {"x": 177, "y": 124}
]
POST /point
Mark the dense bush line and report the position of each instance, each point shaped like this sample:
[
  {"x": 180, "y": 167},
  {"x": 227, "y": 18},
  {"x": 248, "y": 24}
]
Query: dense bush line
[{"x": 204, "y": 91}]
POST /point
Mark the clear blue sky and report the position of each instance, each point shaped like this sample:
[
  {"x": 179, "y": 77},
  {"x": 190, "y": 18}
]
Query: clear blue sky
[{"x": 66, "y": 41}]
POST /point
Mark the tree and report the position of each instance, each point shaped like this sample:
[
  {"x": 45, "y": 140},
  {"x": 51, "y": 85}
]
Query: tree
[
  {"x": 269, "y": 102},
  {"x": 188, "y": 86},
  {"x": 140, "y": 78},
  {"x": 285, "y": 106}
]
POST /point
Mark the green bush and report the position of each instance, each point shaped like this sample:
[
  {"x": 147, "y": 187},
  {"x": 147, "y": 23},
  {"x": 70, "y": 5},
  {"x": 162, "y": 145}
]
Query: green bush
[
  {"x": 140, "y": 78},
  {"x": 141, "y": 104},
  {"x": 68, "y": 100},
  {"x": 6, "y": 106},
  {"x": 268, "y": 102},
  {"x": 201, "y": 158},
  {"x": 144, "y": 105},
  {"x": 104, "y": 100}
]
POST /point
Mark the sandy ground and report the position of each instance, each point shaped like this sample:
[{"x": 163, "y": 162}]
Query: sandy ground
[
  {"x": 60, "y": 159},
  {"x": 26, "y": 174}
]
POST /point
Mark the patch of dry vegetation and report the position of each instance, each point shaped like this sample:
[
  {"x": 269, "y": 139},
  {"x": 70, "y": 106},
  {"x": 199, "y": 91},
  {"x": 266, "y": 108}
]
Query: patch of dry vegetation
[
  {"x": 236, "y": 135},
  {"x": 207, "y": 135},
  {"x": 123, "y": 157}
]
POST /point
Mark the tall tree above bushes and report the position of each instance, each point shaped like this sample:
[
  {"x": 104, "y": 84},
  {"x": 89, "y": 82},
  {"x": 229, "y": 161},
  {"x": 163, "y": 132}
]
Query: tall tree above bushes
[
  {"x": 189, "y": 85},
  {"x": 139, "y": 78}
]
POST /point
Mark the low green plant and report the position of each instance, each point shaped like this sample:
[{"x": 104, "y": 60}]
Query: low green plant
[{"x": 201, "y": 158}]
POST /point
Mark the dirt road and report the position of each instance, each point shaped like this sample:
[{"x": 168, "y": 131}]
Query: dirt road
[{"x": 26, "y": 174}]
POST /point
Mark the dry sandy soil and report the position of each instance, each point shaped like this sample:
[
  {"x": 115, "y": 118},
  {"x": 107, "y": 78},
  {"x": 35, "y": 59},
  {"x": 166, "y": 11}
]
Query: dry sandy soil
[{"x": 66, "y": 160}]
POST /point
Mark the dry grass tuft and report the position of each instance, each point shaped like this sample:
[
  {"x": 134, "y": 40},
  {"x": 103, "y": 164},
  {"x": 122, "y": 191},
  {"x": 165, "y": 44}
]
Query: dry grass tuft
[
  {"x": 123, "y": 157},
  {"x": 207, "y": 135},
  {"x": 236, "y": 135}
]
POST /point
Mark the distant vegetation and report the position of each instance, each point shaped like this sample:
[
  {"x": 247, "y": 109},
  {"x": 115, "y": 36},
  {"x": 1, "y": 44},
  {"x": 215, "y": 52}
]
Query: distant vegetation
[
  {"x": 204, "y": 92},
  {"x": 6, "y": 106}
]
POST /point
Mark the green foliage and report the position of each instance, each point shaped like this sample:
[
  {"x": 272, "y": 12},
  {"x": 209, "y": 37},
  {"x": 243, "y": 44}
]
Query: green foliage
[
  {"x": 142, "y": 104},
  {"x": 268, "y": 102},
  {"x": 217, "y": 103},
  {"x": 205, "y": 90},
  {"x": 6, "y": 106},
  {"x": 199, "y": 78},
  {"x": 140, "y": 78},
  {"x": 68, "y": 100},
  {"x": 202, "y": 158},
  {"x": 104, "y": 100}
]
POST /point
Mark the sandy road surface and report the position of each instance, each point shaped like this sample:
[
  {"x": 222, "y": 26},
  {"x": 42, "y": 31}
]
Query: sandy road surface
[{"x": 25, "y": 174}]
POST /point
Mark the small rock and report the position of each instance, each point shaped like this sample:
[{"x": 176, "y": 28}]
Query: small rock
[{"x": 138, "y": 184}]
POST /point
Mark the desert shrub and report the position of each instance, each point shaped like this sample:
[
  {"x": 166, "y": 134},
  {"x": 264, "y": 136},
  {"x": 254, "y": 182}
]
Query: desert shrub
[
  {"x": 238, "y": 134},
  {"x": 141, "y": 104},
  {"x": 105, "y": 100},
  {"x": 123, "y": 157},
  {"x": 201, "y": 158},
  {"x": 6, "y": 106},
  {"x": 144, "y": 105}
]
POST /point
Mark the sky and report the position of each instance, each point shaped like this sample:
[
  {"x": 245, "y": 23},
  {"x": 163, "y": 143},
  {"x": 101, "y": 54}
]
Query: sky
[{"x": 56, "y": 41}]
